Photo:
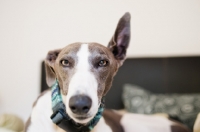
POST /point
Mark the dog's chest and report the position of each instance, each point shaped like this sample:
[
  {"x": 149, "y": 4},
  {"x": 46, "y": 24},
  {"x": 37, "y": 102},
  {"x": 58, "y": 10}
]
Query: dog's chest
[
  {"x": 100, "y": 127},
  {"x": 41, "y": 122}
]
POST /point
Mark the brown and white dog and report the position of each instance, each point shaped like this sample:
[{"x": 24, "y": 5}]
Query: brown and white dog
[{"x": 86, "y": 70}]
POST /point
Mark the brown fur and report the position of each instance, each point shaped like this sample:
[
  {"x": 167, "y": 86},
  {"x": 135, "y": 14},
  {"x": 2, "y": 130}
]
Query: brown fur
[
  {"x": 113, "y": 120},
  {"x": 53, "y": 66},
  {"x": 179, "y": 128},
  {"x": 64, "y": 75},
  {"x": 103, "y": 75},
  {"x": 98, "y": 52}
]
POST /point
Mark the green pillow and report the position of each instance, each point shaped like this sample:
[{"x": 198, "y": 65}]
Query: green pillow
[{"x": 184, "y": 106}]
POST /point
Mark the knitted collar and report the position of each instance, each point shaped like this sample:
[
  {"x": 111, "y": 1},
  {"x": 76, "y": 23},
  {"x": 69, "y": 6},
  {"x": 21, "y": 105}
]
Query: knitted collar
[{"x": 62, "y": 119}]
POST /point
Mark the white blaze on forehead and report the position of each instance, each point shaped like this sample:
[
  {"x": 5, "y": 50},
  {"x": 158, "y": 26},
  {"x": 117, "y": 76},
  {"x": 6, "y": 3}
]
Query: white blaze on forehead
[{"x": 83, "y": 81}]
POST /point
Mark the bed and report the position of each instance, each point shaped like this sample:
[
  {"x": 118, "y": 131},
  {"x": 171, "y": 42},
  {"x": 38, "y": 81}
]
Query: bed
[{"x": 158, "y": 77}]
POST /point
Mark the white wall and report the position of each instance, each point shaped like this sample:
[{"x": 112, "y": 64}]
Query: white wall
[{"x": 28, "y": 29}]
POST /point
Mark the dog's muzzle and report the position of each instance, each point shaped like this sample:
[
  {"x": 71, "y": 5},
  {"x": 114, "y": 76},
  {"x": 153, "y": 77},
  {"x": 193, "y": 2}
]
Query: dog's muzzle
[{"x": 79, "y": 105}]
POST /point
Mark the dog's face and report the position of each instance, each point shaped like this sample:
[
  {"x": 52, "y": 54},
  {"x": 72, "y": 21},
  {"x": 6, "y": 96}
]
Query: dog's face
[{"x": 85, "y": 71}]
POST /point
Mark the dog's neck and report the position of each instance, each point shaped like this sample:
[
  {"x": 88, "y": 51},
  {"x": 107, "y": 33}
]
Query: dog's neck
[{"x": 62, "y": 119}]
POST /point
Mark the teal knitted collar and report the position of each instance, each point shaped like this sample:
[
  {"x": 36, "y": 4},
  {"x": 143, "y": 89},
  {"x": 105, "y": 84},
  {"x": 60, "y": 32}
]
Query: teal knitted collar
[{"x": 62, "y": 119}]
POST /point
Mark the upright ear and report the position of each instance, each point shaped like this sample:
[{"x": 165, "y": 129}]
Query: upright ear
[
  {"x": 120, "y": 41},
  {"x": 49, "y": 67}
]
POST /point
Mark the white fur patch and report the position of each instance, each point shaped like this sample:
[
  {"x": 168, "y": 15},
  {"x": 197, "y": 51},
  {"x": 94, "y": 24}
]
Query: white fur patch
[
  {"x": 83, "y": 82},
  {"x": 145, "y": 123},
  {"x": 102, "y": 126},
  {"x": 40, "y": 120}
]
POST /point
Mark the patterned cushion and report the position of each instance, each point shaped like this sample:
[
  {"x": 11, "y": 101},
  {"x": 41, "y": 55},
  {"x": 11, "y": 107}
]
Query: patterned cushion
[{"x": 184, "y": 106}]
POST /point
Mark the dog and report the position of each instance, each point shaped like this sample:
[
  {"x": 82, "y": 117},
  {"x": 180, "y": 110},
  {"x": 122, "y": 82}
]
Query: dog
[{"x": 83, "y": 72}]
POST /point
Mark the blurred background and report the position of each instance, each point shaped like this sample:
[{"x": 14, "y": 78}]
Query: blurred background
[{"x": 29, "y": 29}]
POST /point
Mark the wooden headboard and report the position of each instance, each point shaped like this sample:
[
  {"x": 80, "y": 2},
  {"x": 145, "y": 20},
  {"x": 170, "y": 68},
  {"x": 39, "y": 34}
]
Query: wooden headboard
[{"x": 159, "y": 75}]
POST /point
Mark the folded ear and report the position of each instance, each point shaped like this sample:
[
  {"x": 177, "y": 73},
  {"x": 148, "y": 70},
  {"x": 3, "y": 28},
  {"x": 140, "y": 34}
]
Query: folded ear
[
  {"x": 120, "y": 41},
  {"x": 49, "y": 67}
]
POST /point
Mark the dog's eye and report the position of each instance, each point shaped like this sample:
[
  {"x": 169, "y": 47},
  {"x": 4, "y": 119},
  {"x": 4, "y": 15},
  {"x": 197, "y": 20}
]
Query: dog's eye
[
  {"x": 65, "y": 63},
  {"x": 103, "y": 63}
]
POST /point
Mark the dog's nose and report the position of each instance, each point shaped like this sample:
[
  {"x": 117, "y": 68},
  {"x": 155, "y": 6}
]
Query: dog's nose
[{"x": 80, "y": 104}]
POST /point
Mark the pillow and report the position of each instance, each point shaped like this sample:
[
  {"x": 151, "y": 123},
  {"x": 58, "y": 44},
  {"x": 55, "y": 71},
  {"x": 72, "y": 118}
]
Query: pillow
[
  {"x": 184, "y": 106},
  {"x": 11, "y": 122},
  {"x": 6, "y": 130}
]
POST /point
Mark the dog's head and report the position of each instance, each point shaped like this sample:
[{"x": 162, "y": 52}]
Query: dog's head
[{"x": 85, "y": 71}]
